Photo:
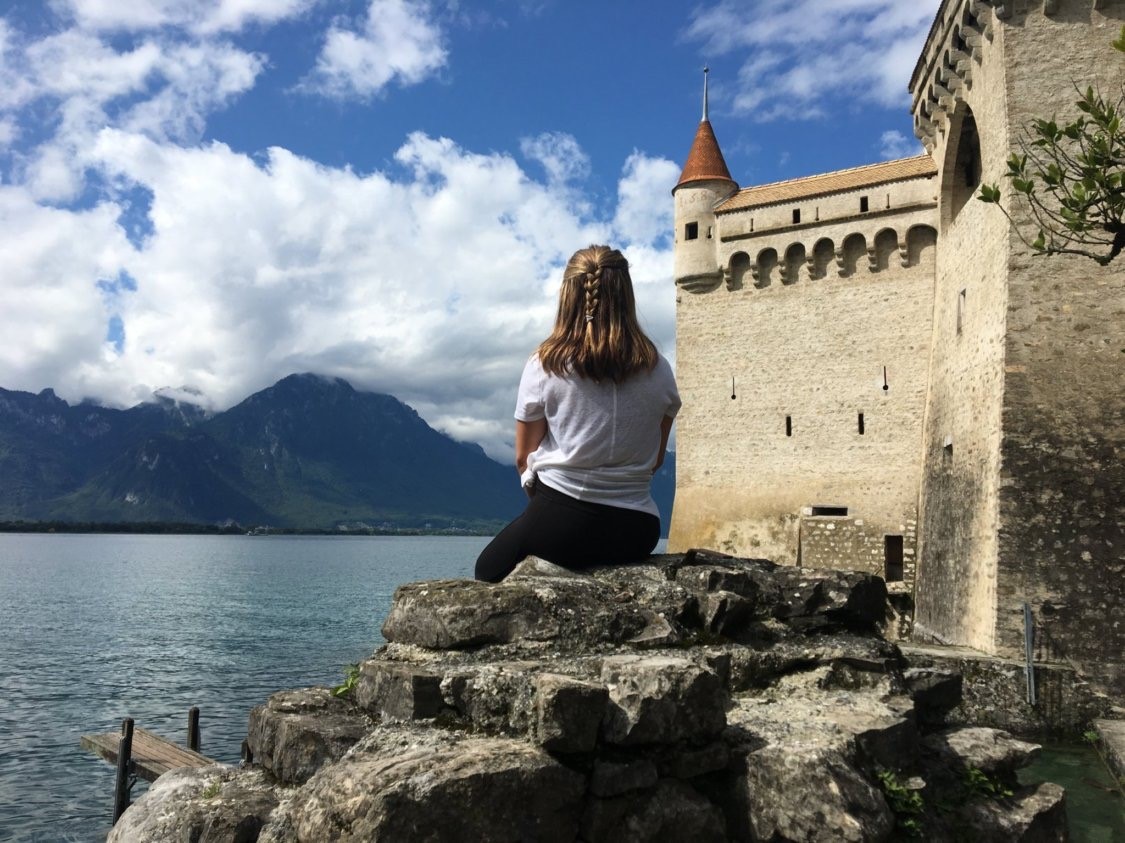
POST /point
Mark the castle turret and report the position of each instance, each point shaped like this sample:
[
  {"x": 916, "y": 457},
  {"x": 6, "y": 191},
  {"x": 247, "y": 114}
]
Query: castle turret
[{"x": 704, "y": 183}]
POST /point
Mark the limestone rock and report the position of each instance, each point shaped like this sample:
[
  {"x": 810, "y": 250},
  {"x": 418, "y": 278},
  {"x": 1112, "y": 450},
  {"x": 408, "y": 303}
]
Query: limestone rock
[
  {"x": 398, "y": 691},
  {"x": 570, "y": 612},
  {"x": 568, "y": 713},
  {"x": 497, "y": 698},
  {"x": 657, "y": 699},
  {"x": 697, "y": 697},
  {"x": 296, "y": 732},
  {"x": 481, "y": 789},
  {"x": 1036, "y": 816},
  {"x": 670, "y": 811},
  {"x": 991, "y": 751},
  {"x": 216, "y": 804}
]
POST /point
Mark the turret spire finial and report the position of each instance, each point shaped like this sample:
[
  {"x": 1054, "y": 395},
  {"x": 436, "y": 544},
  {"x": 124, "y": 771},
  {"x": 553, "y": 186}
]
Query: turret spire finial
[{"x": 706, "y": 70}]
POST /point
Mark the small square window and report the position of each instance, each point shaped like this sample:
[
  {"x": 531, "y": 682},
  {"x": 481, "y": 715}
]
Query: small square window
[{"x": 691, "y": 231}]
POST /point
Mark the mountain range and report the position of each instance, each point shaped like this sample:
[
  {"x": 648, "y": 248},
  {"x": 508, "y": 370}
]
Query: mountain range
[{"x": 309, "y": 452}]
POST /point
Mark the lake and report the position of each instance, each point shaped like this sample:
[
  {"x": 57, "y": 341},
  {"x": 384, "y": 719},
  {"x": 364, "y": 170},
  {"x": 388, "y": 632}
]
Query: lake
[{"x": 99, "y": 627}]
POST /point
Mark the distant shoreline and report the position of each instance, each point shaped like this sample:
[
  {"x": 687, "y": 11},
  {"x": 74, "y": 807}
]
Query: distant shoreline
[{"x": 186, "y": 528}]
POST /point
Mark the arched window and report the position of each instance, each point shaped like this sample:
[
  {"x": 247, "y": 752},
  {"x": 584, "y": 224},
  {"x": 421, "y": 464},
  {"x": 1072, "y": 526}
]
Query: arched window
[
  {"x": 767, "y": 264},
  {"x": 962, "y": 171},
  {"x": 886, "y": 244},
  {"x": 920, "y": 243},
  {"x": 739, "y": 266},
  {"x": 823, "y": 253},
  {"x": 794, "y": 260},
  {"x": 855, "y": 249}
]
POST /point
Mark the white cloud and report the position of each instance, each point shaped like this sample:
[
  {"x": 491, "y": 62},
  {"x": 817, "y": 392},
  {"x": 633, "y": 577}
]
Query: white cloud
[
  {"x": 644, "y": 207},
  {"x": 199, "y": 16},
  {"x": 397, "y": 40},
  {"x": 560, "y": 155},
  {"x": 432, "y": 281},
  {"x": 805, "y": 55},
  {"x": 894, "y": 144},
  {"x": 163, "y": 88}
]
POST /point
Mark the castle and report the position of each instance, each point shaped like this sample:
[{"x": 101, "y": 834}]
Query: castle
[{"x": 878, "y": 374}]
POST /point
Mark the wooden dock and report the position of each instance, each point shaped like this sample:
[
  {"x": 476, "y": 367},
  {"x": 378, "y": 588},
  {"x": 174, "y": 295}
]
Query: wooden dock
[
  {"x": 139, "y": 753},
  {"x": 152, "y": 755}
]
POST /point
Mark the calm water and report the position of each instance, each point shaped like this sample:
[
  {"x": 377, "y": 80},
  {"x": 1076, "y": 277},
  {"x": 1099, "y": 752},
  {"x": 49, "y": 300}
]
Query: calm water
[{"x": 97, "y": 628}]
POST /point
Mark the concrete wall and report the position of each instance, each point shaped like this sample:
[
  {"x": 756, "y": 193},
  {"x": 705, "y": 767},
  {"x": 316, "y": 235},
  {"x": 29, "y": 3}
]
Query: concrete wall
[{"x": 813, "y": 350}]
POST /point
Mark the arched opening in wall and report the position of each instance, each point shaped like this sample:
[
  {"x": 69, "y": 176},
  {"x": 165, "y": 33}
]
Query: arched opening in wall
[
  {"x": 824, "y": 252},
  {"x": 921, "y": 241},
  {"x": 739, "y": 266},
  {"x": 794, "y": 260},
  {"x": 767, "y": 265},
  {"x": 855, "y": 249},
  {"x": 962, "y": 167},
  {"x": 886, "y": 244}
]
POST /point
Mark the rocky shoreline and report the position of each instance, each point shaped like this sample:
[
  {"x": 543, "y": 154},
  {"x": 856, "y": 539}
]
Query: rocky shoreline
[{"x": 697, "y": 697}]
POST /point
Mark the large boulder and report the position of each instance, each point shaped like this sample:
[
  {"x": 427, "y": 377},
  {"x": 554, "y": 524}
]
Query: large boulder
[
  {"x": 216, "y": 804},
  {"x": 435, "y": 788},
  {"x": 297, "y": 732},
  {"x": 695, "y": 697}
]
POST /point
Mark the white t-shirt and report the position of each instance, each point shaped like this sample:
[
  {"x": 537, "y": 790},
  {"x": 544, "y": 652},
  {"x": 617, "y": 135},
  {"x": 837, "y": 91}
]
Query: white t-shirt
[{"x": 602, "y": 438}]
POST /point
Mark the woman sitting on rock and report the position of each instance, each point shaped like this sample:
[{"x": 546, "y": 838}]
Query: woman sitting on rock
[{"x": 595, "y": 406}]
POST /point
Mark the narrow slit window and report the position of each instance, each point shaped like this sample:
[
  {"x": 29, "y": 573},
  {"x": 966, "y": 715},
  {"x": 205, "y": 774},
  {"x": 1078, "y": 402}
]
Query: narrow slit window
[
  {"x": 796, "y": 215},
  {"x": 708, "y": 232},
  {"x": 859, "y": 424},
  {"x": 691, "y": 231},
  {"x": 960, "y": 310},
  {"x": 788, "y": 425},
  {"x": 947, "y": 447},
  {"x": 892, "y": 558},
  {"x": 863, "y": 207}
]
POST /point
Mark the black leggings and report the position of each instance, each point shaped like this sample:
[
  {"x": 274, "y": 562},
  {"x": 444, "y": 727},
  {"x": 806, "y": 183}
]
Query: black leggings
[{"x": 569, "y": 532}]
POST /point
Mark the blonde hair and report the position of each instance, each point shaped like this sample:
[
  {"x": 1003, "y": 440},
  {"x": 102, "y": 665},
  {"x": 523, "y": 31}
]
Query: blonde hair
[{"x": 596, "y": 333}]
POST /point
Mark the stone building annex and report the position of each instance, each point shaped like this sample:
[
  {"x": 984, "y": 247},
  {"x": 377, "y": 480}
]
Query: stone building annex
[{"x": 878, "y": 374}]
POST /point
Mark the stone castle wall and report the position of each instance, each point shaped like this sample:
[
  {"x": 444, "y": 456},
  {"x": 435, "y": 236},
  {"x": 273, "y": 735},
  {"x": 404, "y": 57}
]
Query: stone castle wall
[
  {"x": 1022, "y": 485},
  {"x": 802, "y": 349},
  {"x": 1062, "y": 497},
  {"x": 1002, "y": 428},
  {"x": 956, "y": 587}
]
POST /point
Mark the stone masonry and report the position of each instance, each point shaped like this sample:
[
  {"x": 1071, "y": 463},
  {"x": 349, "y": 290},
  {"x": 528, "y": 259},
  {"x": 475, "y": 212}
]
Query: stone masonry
[{"x": 876, "y": 370}]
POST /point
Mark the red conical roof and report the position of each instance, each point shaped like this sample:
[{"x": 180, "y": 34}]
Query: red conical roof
[{"x": 705, "y": 161}]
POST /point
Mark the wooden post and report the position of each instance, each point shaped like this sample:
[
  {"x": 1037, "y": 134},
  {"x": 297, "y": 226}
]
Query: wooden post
[
  {"x": 124, "y": 755},
  {"x": 193, "y": 728}
]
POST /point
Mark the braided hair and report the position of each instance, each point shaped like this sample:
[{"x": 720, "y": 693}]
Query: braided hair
[{"x": 596, "y": 334}]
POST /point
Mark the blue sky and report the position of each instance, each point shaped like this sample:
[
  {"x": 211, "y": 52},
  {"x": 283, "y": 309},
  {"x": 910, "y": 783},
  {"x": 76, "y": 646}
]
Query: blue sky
[{"x": 215, "y": 193}]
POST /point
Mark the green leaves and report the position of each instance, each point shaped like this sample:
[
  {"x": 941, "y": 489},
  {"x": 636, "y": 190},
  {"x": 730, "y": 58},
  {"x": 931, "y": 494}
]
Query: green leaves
[
  {"x": 351, "y": 677},
  {"x": 1068, "y": 180},
  {"x": 989, "y": 193}
]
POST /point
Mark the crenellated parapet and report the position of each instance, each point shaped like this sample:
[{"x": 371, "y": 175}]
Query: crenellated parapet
[
  {"x": 944, "y": 72},
  {"x": 953, "y": 52},
  {"x": 823, "y": 257}
]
